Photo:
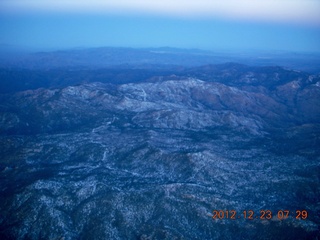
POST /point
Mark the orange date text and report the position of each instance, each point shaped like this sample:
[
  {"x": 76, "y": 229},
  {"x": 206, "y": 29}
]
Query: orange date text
[{"x": 262, "y": 214}]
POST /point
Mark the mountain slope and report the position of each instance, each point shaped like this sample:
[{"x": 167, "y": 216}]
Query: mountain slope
[{"x": 154, "y": 159}]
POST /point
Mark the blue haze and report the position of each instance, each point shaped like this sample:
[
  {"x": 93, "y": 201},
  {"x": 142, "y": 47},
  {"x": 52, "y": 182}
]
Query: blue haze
[{"x": 42, "y": 31}]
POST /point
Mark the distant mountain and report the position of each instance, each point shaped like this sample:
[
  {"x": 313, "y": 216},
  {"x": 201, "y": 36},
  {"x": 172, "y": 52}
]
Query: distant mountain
[{"x": 93, "y": 58}]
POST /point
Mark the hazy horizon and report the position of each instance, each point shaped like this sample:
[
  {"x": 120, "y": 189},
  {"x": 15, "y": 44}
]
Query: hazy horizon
[{"x": 208, "y": 25}]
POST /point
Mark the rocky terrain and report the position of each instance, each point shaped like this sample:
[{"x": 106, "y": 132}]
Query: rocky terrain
[{"x": 153, "y": 159}]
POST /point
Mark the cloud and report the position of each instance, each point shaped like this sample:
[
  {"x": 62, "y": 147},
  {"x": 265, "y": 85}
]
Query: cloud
[{"x": 297, "y": 11}]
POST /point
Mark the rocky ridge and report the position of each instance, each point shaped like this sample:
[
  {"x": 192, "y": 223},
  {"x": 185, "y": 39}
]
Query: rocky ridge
[{"x": 152, "y": 160}]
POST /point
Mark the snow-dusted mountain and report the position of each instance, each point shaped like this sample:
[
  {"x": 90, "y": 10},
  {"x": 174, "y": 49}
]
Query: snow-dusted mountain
[{"x": 153, "y": 159}]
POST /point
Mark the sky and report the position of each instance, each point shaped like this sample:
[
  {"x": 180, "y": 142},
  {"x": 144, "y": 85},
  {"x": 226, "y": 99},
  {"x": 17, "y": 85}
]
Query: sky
[{"x": 290, "y": 25}]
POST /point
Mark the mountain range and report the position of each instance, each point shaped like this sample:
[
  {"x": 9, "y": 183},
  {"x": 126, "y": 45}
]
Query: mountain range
[{"x": 150, "y": 151}]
